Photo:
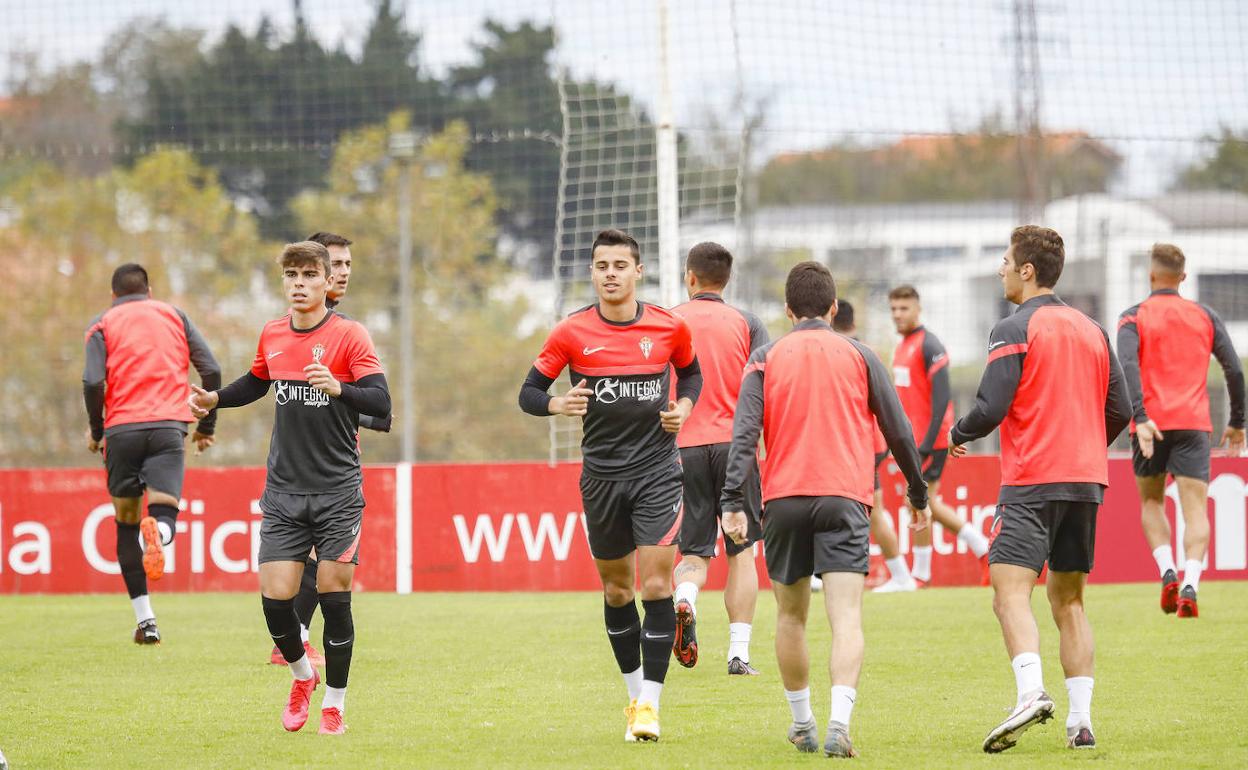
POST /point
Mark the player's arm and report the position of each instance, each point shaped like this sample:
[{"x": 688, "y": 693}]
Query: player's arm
[
  {"x": 94, "y": 372},
  {"x": 534, "y": 398},
  {"x": 936, "y": 361},
  {"x": 758, "y": 332},
  {"x": 1129, "y": 358},
  {"x": 688, "y": 380},
  {"x": 251, "y": 387},
  {"x": 368, "y": 392},
  {"x": 747, "y": 426},
  {"x": 379, "y": 424},
  {"x": 1117, "y": 398},
  {"x": 1007, "y": 347},
  {"x": 1233, "y": 373},
  {"x": 369, "y": 395},
  {"x": 206, "y": 366},
  {"x": 891, "y": 417}
]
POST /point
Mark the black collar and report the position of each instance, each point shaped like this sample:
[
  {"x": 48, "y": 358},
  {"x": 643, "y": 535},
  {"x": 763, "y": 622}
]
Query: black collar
[
  {"x": 1173, "y": 292},
  {"x": 129, "y": 298},
  {"x": 640, "y": 310},
  {"x": 328, "y": 315},
  {"x": 811, "y": 323},
  {"x": 711, "y": 296}
]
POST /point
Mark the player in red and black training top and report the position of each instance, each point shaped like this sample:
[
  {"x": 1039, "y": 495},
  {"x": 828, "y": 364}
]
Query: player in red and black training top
[
  {"x": 921, "y": 376},
  {"x": 135, "y": 387},
  {"x": 325, "y": 374},
  {"x": 308, "y": 598},
  {"x": 1165, "y": 343},
  {"x": 1055, "y": 387},
  {"x": 619, "y": 352},
  {"x": 815, "y": 397},
  {"x": 724, "y": 337}
]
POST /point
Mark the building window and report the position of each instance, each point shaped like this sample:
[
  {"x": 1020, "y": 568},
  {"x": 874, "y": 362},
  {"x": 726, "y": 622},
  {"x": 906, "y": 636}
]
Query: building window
[
  {"x": 1226, "y": 293},
  {"x": 858, "y": 257},
  {"x": 934, "y": 253},
  {"x": 994, "y": 250}
]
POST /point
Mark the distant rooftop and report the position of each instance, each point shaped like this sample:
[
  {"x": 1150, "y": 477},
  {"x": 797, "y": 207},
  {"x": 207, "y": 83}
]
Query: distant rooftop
[{"x": 1202, "y": 209}]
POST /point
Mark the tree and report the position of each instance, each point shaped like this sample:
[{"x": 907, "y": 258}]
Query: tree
[{"x": 1226, "y": 169}]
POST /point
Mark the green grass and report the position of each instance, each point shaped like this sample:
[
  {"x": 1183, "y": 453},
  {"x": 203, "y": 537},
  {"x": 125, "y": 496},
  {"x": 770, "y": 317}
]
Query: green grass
[{"x": 506, "y": 680}]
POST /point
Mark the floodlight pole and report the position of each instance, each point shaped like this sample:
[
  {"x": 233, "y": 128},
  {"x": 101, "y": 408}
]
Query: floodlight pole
[
  {"x": 403, "y": 150},
  {"x": 667, "y": 173}
]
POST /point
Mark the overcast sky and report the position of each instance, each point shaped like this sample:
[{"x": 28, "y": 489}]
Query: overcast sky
[{"x": 1149, "y": 76}]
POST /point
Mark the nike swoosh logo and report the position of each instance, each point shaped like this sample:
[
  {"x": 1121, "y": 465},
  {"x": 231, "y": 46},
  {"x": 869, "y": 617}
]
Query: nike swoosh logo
[
  {"x": 658, "y": 636},
  {"x": 589, "y": 351},
  {"x": 274, "y": 355},
  {"x": 278, "y": 636},
  {"x": 332, "y": 643},
  {"x": 996, "y": 344},
  {"x": 613, "y": 632}
]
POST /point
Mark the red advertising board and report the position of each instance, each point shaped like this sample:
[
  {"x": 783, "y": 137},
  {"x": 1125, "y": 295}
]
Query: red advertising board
[{"x": 496, "y": 527}]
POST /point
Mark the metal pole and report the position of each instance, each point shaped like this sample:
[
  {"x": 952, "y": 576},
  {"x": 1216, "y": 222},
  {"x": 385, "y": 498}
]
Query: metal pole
[
  {"x": 666, "y": 168},
  {"x": 407, "y": 364}
]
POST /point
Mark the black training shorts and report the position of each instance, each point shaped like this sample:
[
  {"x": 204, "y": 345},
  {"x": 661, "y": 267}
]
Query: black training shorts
[
  {"x": 934, "y": 465},
  {"x": 621, "y": 514},
  {"x": 1061, "y": 532},
  {"x": 705, "y": 467},
  {"x": 147, "y": 458},
  {"x": 804, "y": 536},
  {"x": 1181, "y": 453},
  {"x": 293, "y": 524}
]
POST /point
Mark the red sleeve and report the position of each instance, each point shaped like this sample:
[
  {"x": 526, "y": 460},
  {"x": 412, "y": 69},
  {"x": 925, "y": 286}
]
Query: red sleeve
[
  {"x": 554, "y": 356},
  {"x": 260, "y": 364},
  {"x": 682, "y": 344},
  {"x": 362, "y": 355}
]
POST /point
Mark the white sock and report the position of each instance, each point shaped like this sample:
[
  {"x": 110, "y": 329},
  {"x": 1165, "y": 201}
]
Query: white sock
[
  {"x": 303, "y": 633},
  {"x": 974, "y": 539},
  {"x": 1191, "y": 573},
  {"x": 922, "y": 563},
  {"x": 739, "y": 641},
  {"x": 301, "y": 669},
  {"x": 843, "y": 703},
  {"x": 799, "y": 704},
  {"x": 1028, "y": 676},
  {"x": 166, "y": 534},
  {"x": 632, "y": 680},
  {"x": 650, "y": 692},
  {"x": 1080, "y": 690},
  {"x": 335, "y": 698},
  {"x": 897, "y": 569},
  {"x": 689, "y": 592},
  {"x": 142, "y": 608},
  {"x": 1165, "y": 560}
]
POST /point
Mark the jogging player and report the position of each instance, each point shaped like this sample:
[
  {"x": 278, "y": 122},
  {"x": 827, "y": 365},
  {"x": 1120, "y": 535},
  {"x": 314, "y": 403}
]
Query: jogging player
[
  {"x": 307, "y": 600},
  {"x": 1165, "y": 343},
  {"x": 815, "y": 396},
  {"x": 135, "y": 387},
  {"x": 724, "y": 337},
  {"x": 325, "y": 374},
  {"x": 1054, "y": 386},
  {"x": 619, "y": 352},
  {"x": 921, "y": 375}
]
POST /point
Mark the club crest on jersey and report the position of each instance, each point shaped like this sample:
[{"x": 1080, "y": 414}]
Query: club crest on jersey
[
  {"x": 318, "y": 352},
  {"x": 646, "y": 345}
]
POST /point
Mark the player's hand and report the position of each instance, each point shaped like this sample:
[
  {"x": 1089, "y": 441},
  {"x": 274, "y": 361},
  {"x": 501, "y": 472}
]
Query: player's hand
[
  {"x": 1147, "y": 432},
  {"x": 202, "y": 441},
  {"x": 957, "y": 450},
  {"x": 93, "y": 446},
  {"x": 201, "y": 401},
  {"x": 735, "y": 526},
  {"x": 320, "y": 378},
  {"x": 921, "y": 519},
  {"x": 574, "y": 403},
  {"x": 675, "y": 416},
  {"x": 1233, "y": 439}
]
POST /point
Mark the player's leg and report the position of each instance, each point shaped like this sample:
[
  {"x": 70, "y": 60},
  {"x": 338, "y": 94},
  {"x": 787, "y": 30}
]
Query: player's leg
[
  {"x": 163, "y": 466},
  {"x": 1150, "y": 481},
  {"x": 306, "y": 602},
  {"x": 123, "y": 463},
  {"x": 793, "y": 659},
  {"x": 949, "y": 518},
  {"x": 698, "y": 529},
  {"x": 286, "y": 537},
  {"x": 741, "y": 588},
  {"x": 1017, "y": 557},
  {"x": 1070, "y": 561},
  {"x": 1189, "y": 464},
  {"x": 885, "y": 536}
]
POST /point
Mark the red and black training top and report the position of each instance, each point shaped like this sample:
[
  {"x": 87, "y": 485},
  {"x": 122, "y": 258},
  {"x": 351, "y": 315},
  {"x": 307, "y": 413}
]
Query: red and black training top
[
  {"x": 1165, "y": 343},
  {"x": 1055, "y": 387},
  {"x": 724, "y": 337},
  {"x": 627, "y": 366},
  {"x": 921, "y": 376},
  {"x": 815, "y": 397}
]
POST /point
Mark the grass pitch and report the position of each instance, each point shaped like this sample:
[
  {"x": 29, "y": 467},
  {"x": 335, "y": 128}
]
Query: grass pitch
[{"x": 518, "y": 680}]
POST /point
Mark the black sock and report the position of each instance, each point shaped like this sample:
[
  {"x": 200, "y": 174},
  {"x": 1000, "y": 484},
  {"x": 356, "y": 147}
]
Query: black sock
[
  {"x": 166, "y": 513},
  {"x": 624, "y": 631},
  {"x": 659, "y": 629},
  {"x": 307, "y": 598},
  {"x": 339, "y": 636},
  {"x": 283, "y": 627},
  {"x": 130, "y": 559}
]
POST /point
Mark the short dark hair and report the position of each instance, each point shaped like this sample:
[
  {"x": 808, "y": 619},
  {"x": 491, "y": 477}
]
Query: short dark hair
[
  {"x": 904, "y": 291},
  {"x": 329, "y": 239},
  {"x": 130, "y": 278},
  {"x": 305, "y": 253},
  {"x": 1169, "y": 257},
  {"x": 612, "y": 237},
  {"x": 1042, "y": 248},
  {"x": 844, "y": 320},
  {"x": 710, "y": 263},
  {"x": 809, "y": 290}
]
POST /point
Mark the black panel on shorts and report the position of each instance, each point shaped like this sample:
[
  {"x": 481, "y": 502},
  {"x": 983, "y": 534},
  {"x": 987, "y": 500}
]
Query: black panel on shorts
[
  {"x": 1061, "y": 532},
  {"x": 815, "y": 535}
]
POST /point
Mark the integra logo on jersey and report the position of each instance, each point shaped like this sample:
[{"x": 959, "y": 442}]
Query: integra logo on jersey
[
  {"x": 296, "y": 391},
  {"x": 608, "y": 390}
]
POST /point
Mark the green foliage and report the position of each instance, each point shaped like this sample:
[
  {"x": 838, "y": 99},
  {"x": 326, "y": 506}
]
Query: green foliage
[{"x": 1226, "y": 169}]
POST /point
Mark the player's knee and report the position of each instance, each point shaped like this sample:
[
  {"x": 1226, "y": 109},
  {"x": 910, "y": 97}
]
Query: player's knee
[
  {"x": 616, "y": 594},
  {"x": 656, "y": 587}
]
